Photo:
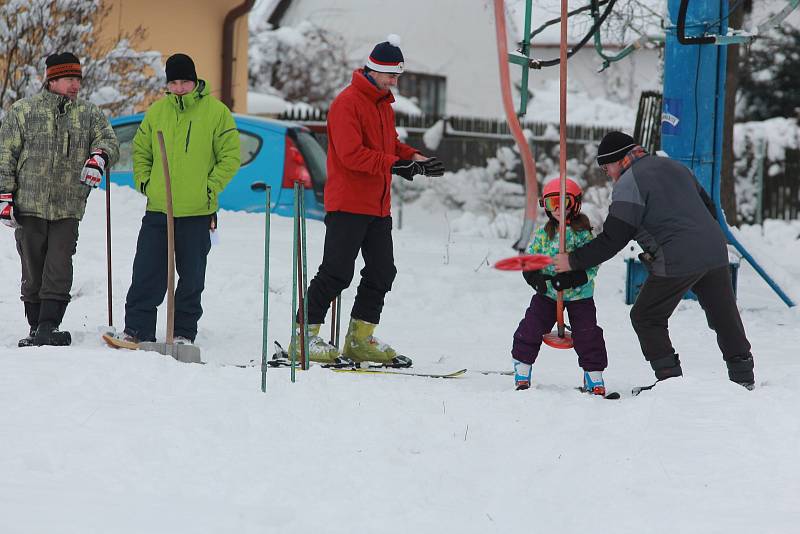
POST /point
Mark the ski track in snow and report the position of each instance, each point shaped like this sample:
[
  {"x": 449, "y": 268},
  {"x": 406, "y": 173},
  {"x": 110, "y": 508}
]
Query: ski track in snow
[{"x": 97, "y": 440}]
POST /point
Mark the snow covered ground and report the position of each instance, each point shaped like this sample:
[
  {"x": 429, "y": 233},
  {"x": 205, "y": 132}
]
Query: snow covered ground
[{"x": 94, "y": 440}]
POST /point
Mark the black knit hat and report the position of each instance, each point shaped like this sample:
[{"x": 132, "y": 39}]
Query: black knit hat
[
  {"x": 62, "y": 66},
  {"x": 614, "y": 147},
  {"x": 386, "y": 56},
  {"x": 180, "y": 67}
]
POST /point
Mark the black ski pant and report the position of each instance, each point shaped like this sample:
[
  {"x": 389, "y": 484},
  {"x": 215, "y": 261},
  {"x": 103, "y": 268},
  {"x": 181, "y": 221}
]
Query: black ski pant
[
  {"x": 149, "y": 280},
  {"x": 345, "y": 235},
  {"x": 658, "y": 298},
  {"x": 46, "y": 249}
]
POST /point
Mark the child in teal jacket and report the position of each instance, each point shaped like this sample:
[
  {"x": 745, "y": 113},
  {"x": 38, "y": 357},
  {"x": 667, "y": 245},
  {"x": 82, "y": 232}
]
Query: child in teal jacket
[{"x": 577, "y": 288}]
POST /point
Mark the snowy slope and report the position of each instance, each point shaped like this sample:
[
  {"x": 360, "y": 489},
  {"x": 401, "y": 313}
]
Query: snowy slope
[{"x": 97, "y": 440}]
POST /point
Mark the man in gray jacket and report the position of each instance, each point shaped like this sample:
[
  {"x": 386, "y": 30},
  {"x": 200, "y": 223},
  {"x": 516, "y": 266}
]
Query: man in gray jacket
[
  {"x": 659, "y": 203},
  {"x": 54, "y": 149}
]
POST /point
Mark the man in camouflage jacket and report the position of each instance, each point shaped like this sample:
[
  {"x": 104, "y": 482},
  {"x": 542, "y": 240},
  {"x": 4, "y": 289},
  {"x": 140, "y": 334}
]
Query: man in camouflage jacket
[{"x": 54, "y": 149}]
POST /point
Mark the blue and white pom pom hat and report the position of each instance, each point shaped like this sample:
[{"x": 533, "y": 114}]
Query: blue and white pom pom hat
[{"x": 386, "y": 56}]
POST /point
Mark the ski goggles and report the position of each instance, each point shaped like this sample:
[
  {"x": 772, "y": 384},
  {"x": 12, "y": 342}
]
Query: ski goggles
[{"x": 551, "y": 202}]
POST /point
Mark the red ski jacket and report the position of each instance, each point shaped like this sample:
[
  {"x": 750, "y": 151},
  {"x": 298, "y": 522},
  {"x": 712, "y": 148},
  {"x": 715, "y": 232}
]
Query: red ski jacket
[{"x": 362, "y": 147}]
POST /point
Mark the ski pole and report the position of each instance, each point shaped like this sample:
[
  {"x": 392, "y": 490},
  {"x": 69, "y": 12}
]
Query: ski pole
[
  {"x": 295, "y": 249},
  {"x": 261, "y": 186},
  {"x": 336, "y": 308},
  {"x": 338, "y": 320},
  {"x": 333, "y": 322},
  {"x": 304, "y": 279}
]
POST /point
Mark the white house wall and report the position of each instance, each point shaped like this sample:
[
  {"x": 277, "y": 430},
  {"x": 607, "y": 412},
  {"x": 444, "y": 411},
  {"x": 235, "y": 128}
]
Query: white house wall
[{"x": 456, "y": 39}]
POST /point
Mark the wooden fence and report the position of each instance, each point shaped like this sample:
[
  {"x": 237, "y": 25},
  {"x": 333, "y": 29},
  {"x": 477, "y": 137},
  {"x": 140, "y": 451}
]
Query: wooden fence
[{"x": 470, "y": 141}]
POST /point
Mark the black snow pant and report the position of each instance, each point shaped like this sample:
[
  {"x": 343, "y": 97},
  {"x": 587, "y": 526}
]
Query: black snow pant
[
  {"x": 345, "y": 235},
  {"x": 45, "y": 249},
  {"x": 658, "y": 298},
  {"x": 149, "y": 280}
]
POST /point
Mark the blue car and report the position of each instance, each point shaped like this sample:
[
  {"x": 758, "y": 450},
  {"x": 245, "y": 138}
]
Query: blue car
[{"x": 274, "y": 153}]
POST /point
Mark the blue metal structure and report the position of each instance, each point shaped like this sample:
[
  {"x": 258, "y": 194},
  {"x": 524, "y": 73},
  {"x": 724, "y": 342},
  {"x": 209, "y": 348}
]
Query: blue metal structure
[
  {"x": 263, "y": 146},
  {"x": 693, "y": 110}
]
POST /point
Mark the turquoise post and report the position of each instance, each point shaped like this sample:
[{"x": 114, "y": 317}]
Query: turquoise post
[{"x": 264, "y": 336}]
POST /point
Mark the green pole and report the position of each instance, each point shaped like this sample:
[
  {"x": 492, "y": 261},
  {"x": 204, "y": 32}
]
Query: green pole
[
  {"x": 526, "y": 51},
  {"x": 304, "y": 279},
  {"x": 264, "y": 337},
  {"x": 338, "y": 320},
  {"x": 295, "y": 242}
]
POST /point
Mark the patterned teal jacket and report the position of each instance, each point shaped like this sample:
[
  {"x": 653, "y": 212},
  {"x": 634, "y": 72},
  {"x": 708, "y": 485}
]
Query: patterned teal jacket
[
  {"x": 44, "y": 142},
  {"x": 542, "y": 244}
]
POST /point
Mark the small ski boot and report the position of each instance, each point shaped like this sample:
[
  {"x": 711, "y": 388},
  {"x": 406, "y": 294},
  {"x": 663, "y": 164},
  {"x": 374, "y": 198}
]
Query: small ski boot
[
  {"x": 522, "y": 375},
  {"x": 593, "y": 383},
  {"x": 361, "y": 346},
  {"x": 319, "y": 350}
]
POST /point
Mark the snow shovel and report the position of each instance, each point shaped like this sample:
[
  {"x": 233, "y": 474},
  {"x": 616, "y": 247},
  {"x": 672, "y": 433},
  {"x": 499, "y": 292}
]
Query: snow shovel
[{"x": 182, "y": 353}]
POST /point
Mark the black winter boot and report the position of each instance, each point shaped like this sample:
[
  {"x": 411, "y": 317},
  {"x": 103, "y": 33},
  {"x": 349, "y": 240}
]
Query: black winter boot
[
  {"x": 667, "y": 367},
  {"x": 32, "y": 314},
  {"x": 47, "y": 333},
  {"x": 740, "y": 370}
]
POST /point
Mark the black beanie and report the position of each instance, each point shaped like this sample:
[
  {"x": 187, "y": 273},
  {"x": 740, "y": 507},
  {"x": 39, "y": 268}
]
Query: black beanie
[
  {"x": 614, "y": 147},
  {"x": 386, "y": 56},
  {"x": 180, "y": 67},
  {"x": 62, "y": 66}
]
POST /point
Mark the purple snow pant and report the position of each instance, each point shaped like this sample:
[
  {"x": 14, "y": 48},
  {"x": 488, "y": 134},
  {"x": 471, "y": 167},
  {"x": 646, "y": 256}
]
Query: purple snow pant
[{"x": 540, "y": 317}]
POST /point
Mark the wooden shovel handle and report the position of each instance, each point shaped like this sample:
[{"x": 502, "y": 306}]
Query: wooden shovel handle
[{"x": 170, "y": 243}]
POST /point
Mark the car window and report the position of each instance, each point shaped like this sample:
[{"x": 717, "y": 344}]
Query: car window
[
  {"x": 125, "y": 133},
  {"x": 249, "y": 146}
]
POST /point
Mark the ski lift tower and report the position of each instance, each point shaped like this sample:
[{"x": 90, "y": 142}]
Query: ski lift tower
[{"x": 693, "y": 109}]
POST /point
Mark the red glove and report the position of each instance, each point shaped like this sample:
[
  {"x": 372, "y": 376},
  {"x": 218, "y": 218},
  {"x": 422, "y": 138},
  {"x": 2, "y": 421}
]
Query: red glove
[
  {"x": 92, "y": 173},
  {"x": 7, "y": 210}
]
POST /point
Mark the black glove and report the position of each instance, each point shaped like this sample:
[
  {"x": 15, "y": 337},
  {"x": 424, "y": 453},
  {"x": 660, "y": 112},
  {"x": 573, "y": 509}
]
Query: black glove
[
  {"x": 432, "y": 167},
  {"x": 537, "y": 280},
  {"x": 569, "y": 279},
  {"x": 407, "y": 168}
]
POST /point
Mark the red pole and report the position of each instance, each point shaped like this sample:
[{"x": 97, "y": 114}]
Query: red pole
[
  {"x": 108, "y": 244},
  {"x": 562, "y": 160}
]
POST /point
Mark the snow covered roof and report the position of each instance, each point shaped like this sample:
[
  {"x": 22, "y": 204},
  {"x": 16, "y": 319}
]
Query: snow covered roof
[{"x": 263, "y": 104}]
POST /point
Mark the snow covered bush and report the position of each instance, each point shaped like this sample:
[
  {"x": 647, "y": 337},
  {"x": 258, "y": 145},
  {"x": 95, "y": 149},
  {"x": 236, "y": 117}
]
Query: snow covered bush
[
  {"x": 760, "y": 147},
  {"x": 491, "y": 199},
  {"x": 772, "y": 74},
  {"x": 305, "y": 63},
  {"x": 115, "y": 75}
]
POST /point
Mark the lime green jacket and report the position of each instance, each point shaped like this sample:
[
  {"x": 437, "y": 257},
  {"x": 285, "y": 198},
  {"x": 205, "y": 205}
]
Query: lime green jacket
[
  {"x": 202, "y": 146},
  {"x": 44, "y": 142}
]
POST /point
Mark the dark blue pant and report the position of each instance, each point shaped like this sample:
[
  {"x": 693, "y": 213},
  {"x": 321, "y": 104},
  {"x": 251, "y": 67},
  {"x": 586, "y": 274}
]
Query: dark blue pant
[
  {"x": 149, "y": 281},
  {"x": 345, "y": 235},
  {"x": 540, "y": 317}
]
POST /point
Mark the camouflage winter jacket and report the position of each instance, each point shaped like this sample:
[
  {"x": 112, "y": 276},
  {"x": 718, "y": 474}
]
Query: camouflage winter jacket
[{"x": 44, "y": 142}]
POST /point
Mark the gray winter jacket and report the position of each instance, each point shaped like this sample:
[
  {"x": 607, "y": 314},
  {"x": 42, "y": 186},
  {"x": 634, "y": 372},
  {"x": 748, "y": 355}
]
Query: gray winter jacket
[{"x": 659, "y": 203}]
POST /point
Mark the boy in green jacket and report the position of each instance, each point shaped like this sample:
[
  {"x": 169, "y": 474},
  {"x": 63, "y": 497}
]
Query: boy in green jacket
[{"x": 202, "y": 145}]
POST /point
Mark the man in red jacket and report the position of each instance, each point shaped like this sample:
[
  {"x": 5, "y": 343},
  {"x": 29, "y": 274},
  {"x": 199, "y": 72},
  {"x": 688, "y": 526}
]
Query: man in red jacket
[{"x": 363, "y": 153}]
